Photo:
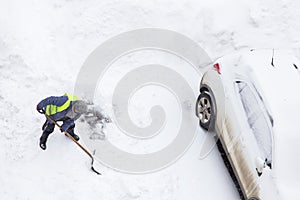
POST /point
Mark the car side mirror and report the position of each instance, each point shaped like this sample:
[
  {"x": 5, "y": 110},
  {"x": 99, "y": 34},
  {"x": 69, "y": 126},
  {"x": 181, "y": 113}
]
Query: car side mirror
[{"x": 260, "y": 165}]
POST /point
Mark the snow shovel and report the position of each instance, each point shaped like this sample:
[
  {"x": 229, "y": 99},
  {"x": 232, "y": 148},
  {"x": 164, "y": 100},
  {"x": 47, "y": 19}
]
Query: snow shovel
[{"x": 68, "y": 134}]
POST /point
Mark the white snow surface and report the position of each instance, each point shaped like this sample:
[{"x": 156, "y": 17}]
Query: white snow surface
[{"x": 43, "y": 44}]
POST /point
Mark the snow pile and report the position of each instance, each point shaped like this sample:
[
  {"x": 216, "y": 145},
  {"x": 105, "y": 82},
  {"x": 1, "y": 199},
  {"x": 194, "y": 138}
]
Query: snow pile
[{"x": 42, "y": 47}]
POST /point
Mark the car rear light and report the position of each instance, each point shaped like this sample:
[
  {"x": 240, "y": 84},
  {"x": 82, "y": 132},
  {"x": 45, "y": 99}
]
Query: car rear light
[{"x": 217, "y": 67}]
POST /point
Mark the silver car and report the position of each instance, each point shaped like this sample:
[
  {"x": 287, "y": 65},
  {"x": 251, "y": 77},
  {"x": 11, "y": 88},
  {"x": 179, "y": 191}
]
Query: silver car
[{"x": 232, "y": 105}]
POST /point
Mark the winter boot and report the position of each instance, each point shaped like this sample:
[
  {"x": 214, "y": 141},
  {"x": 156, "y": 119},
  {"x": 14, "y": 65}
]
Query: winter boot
[
  {"x": 76, "y": 137},
  {"x": 71, "y": 132},
  {"x": 47, "y": 130},
  {"x": 43, "y": 140},
  {"x": 43, "y": 146}
]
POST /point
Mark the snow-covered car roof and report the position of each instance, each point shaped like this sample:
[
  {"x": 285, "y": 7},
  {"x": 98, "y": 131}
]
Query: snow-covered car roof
[{"x": 277, "y": 73}]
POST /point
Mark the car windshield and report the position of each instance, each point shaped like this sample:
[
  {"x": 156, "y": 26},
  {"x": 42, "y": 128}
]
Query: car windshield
[{"x": 256, "y": 117}]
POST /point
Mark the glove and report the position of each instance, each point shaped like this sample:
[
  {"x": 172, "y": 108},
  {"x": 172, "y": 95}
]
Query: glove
[{"x": 40, "y": 110}]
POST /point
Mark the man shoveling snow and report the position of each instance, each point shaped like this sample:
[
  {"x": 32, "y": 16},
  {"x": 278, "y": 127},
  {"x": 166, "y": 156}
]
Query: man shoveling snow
[{"x": 66, "y": 108}]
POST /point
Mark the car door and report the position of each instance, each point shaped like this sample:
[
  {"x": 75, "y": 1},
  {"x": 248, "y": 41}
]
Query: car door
[{"x": 257, "y": 118}]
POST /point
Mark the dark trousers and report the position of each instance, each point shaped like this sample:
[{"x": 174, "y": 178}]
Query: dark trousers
[{"x": 48, "y": 128}]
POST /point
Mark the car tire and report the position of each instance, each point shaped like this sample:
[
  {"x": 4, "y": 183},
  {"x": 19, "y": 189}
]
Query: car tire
[{"x": 205, "y": 110}]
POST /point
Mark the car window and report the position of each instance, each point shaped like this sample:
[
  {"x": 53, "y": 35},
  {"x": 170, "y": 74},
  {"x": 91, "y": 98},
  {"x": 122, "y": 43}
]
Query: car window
[{"x": 256, "y": 117}]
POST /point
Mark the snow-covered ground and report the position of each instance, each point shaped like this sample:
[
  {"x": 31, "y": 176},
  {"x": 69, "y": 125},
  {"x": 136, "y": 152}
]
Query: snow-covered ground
[{"x": 43, "y": 45}]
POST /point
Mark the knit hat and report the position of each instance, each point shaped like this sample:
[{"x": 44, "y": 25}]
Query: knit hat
[{"x": 80, "y": 107}]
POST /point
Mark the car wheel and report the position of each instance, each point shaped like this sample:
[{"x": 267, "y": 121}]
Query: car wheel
[{"x": 204, "y": 110}]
